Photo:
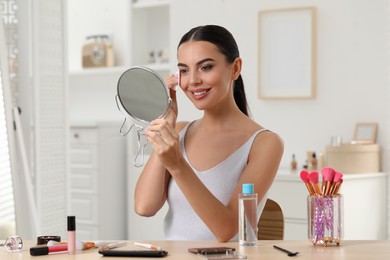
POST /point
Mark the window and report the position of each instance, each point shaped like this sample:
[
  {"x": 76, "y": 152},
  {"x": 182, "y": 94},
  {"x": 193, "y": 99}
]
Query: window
[{"x": 7, "y": 209}]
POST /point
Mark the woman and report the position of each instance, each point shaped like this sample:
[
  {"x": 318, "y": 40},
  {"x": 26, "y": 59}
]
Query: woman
[{"x": 200, "y": 166}]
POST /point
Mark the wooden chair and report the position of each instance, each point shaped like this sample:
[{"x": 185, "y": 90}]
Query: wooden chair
[{"x": 271, "y": 222}]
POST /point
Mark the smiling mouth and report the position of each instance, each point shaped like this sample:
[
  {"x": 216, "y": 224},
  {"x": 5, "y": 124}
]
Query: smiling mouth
[{"x": 199, "y": 93}]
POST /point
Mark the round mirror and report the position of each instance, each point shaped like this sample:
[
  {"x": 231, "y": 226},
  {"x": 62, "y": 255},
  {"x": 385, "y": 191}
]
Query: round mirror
[{"x": 142, "y": 94}]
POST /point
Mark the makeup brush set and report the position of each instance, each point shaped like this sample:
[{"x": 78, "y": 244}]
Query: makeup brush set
[
  {"x": 330, "y": 185},
  {"x": 325, "y": 205}
]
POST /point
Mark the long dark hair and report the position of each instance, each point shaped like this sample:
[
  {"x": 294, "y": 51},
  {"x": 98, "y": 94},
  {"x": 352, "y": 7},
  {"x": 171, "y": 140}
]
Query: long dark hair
[{"x": 227, "y": 45}]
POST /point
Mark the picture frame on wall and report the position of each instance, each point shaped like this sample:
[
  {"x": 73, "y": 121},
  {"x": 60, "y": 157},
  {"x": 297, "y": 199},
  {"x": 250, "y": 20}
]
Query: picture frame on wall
[
  {"x": 365, "y": 133},
  {"x": 287, "y": 53}
]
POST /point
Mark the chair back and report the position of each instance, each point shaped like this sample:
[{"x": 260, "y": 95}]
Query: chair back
[{"x": 271, "y": 222}]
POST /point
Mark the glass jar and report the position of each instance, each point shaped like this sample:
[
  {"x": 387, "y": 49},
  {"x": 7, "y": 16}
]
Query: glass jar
[
  {"x": 325, "y": 219},
  {"x": 97, "y": 52}
]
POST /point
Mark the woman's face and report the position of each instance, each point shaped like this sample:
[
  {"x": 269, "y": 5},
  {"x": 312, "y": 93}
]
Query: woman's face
[{"x": 205, "y": 76}]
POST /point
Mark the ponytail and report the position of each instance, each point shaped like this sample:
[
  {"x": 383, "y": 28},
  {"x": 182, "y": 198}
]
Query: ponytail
[{"x": 239, "y": 95}]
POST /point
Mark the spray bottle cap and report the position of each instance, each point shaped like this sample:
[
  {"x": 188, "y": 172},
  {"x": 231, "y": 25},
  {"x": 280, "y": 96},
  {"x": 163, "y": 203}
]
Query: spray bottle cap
[{"x": 247, "y": 188}]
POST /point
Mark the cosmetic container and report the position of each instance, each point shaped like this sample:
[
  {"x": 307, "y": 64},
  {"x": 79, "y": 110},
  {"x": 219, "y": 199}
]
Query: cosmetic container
[
  {"x": 293, "y": 163},
  {"x": 247, "y": 218},
  {"x": 97, "y": 52},
  {"x": 42, "y": 240},
  {"x": 325, "y": 219},
  {"x": 71, "y": 235}
]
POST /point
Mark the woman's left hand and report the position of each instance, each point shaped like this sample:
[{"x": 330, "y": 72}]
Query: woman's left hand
[{"x": 162, "y": 135}]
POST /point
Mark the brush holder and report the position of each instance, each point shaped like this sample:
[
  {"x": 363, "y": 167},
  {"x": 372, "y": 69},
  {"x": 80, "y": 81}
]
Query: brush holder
[{"x": 325, "y": 219}]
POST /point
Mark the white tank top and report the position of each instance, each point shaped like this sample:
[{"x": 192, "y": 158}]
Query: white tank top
[{"x": 181, "y": 221}]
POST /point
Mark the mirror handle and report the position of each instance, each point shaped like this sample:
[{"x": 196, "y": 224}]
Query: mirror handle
[
  {"x": 141, "y": 149},
  {"x": 123, "y": 133}
]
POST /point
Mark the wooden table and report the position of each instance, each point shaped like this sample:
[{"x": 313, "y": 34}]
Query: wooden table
[{"x": 352, "y": 249}]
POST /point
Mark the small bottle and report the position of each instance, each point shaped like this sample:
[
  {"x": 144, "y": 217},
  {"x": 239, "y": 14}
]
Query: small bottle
[
  {"x": 293, "y": 164},
  {"x": 71, "y": 235},
  {"x": 247, "y": 218},
  {"x": 314, "y": 162}
]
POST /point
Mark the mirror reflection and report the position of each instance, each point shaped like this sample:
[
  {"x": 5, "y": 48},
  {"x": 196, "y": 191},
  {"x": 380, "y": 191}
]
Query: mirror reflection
[{"x": 143, "y": 94}]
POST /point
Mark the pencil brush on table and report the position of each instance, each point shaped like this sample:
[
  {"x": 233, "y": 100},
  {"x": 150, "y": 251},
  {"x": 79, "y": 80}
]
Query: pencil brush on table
[
  {"x": 149, "y": 246},
  {"x": 82, "y": 245},
  {"x": 113, "y": 245}
]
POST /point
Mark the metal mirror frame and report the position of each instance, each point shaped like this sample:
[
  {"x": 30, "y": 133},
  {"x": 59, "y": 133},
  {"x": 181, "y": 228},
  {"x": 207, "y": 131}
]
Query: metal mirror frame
[{"x": 126, "y": 110}]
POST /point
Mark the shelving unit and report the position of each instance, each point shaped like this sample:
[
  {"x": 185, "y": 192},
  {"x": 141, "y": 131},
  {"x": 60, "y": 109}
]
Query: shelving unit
[
  {"x": 150, "y": 3},
  {"x": 94, "y": 71},
  {"x": 150, "y": 33}
]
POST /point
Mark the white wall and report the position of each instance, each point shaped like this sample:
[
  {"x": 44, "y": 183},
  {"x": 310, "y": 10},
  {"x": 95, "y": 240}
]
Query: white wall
[
  {"x": 86, "y": 17},
  {"x": 351, "y": 68},
  {"x": 352, "y": 81}
]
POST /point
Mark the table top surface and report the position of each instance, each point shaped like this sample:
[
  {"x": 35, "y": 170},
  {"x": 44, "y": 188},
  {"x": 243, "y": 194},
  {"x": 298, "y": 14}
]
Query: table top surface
[{"x": 351, "y": 249}]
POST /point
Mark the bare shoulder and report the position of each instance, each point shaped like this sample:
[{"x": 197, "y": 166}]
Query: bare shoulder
[
  {"x": 264, "y": 160},
  {"x": 267, "y": 143}
]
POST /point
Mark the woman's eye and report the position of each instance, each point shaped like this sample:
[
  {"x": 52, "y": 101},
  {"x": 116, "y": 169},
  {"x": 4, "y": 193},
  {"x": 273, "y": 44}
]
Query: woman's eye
[
  {"x": 183, "y": 71},
  {"x": 207, "y": 67}
]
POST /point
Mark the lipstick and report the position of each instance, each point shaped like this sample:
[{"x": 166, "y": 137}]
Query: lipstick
[
  {"x": 45, "y": 250},
  {"x": 71, "y": 235}
]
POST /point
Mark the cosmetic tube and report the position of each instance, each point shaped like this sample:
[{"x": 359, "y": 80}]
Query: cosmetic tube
[
  {"x": 247, "y": 218},
  {"x": 71, "y": 235},
  {"x": 45, "y": 250}
]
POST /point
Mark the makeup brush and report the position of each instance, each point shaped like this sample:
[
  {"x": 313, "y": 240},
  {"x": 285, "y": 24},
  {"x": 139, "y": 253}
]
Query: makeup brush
[
  {"x": 327, "y": 177},
  {"x": 336, "y": 189},
  {"x": 313, "y": 178},
  {"x": 336, "y": 181},
  {"x": 305, "y": 178}
]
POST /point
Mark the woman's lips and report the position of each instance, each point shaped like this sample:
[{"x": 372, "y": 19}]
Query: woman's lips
[{"x": 200, "y": 93}]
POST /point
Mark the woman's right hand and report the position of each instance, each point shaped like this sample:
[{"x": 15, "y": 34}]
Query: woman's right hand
[{"x": 172, "y": 81}]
